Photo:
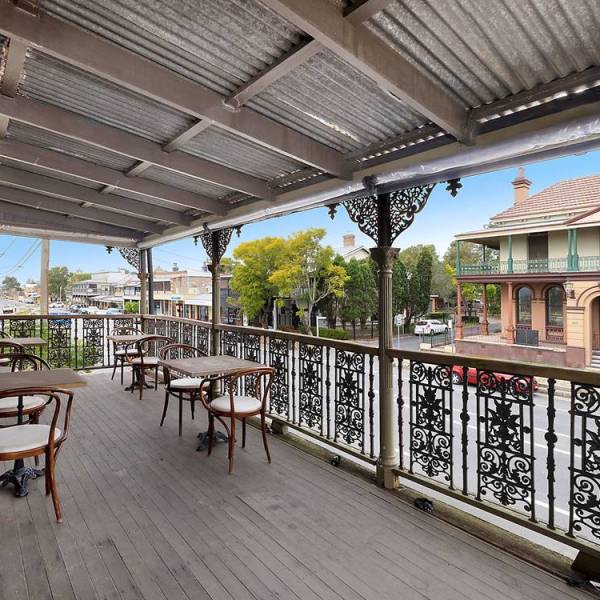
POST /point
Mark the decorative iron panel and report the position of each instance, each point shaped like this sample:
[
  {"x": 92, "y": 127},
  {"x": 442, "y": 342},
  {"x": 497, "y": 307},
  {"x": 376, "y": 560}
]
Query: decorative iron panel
[
  {"x": 59, "y": 342},
  {"x": 22, "y": 327},
  {"x": 349, "y": 398},
  {"x": 279, "y": 353},
  {"x": 584, "y": 513},
  {"x": 431, "y": 431},
  {"x": 202, "y": 338},
  {"x": 93, "y": 342},
  {"x": 504, "y": 429},
  {"x": 230, "y": 341},
  {"x": 187, "y": 334},
  {"x": 310, "y": 385}
]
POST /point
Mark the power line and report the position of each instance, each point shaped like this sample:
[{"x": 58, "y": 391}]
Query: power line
[
  {"x": 21, "y": 262},
  {"x": 14, "y": 239}
]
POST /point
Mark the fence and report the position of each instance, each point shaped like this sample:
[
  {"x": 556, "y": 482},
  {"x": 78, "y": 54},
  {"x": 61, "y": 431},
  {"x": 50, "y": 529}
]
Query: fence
[
  {"x": 76, "y": 341},
  {"x": 478, "y": 430}
]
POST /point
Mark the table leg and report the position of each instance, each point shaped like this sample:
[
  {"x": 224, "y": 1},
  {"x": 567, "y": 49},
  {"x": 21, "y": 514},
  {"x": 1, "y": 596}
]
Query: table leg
[{"x": 19, "y": 476}]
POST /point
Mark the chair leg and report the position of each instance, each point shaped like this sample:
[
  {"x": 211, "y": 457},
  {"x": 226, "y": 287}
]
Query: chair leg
[
  {"x": 141, "y": 381},
  {"x": 47, "y": 475},
  {"x": 114, "y": 369},
  {"x": 133, "y": 378},
  {"x": 55, "y": 499},
  {"x": 192, "y": 404},
  {"x": 35, "y": 419},
  {"x": 166, "y": 405},
  {"x": 244, "y": 432},
  {"x": 180, "y": 413},
  {"x": 122, "y": 370},
  {"x": 211, "y": 432},
  {"x": 263, "y": 426},
  {"x": 155, "y": 378},
  {"x": 231, "y": 443}
]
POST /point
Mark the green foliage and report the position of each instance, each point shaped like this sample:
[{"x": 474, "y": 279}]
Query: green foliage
[
  {"x": 307, "y": 272},
  {"x": 10, "y": 285},
  {"x": 334, "y": 334},
  {"x": 359, "y": 300},
  {"x": 58, "y": 279},
  {"x": 131, "y": 307},
  {"x": 441, "y": 316},
  {"x": 411, "y": 281},
  {"x": 252, "y": 266}
]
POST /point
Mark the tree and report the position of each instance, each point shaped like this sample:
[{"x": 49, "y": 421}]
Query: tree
[
  {"x": 411, "y": 282},
  {"x": 76, "y": 277},
  {"x": 58, "y": 279},
  {"x": 307, "y": 274},
  {"x": 252, "y": 267},
  {"x": 11, "y": 285},
  {"x": 331, "y": 305},
  {"x": 131, "y": 307},
  {"x": 359, "y": 300}
]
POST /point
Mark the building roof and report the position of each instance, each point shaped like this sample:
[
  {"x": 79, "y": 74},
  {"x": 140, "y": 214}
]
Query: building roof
[
  {"x": 567, "y": 196},
  {"x": 136, "y": 123}
]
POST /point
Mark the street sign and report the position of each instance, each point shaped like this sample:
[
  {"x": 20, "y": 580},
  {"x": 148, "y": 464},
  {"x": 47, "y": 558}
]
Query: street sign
[{"x": 399, "y": 320}]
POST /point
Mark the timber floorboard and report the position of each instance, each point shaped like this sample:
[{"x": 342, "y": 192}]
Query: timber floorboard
[{"x": 146, "y": 517}]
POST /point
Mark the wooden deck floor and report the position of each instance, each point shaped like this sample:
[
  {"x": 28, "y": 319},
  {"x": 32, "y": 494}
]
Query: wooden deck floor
[{"x": 147, "y": 517}]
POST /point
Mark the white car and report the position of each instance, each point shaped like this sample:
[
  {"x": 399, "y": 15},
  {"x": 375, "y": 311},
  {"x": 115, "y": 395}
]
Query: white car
[{"x": 428, "y": 326}]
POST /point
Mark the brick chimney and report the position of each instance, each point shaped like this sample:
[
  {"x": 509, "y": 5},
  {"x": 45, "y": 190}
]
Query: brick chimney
[
  {"x": 349, "y": 240},
  {"x": 521, "y": 185}
]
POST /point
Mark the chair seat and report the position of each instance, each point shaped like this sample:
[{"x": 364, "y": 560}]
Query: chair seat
[
  {"x": 149, "y": 361},
  {"x": 123, "y": 352},
  {"x": 11, "y": 403},
  {"x": 241, "y": 404},
  {"x": 21, "y": 438},
  {"x": 185, "y": 382}
]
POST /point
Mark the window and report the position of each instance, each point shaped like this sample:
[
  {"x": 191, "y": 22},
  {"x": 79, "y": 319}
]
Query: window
[
  {"x": 555, "y": 299},
  {"x": 524, "y": 297}
]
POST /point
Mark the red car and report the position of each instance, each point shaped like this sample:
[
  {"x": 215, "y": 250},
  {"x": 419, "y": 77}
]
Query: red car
[{"x": 457, "y": 376}]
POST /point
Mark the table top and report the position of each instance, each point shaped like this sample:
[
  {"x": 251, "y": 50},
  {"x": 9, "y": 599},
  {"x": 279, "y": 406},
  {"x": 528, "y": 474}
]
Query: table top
[
  {"x": 126, "y": 338},
  {"x": 61, "y": 378},
  {"x": 28, "y": 341},
  {"x": 205, "y": 366}
]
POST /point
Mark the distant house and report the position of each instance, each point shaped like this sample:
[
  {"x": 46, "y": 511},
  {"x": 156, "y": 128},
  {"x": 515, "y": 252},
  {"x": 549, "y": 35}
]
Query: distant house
[
  {"x": 350, "y": 250},
  {"x": 548, "y": 270}
]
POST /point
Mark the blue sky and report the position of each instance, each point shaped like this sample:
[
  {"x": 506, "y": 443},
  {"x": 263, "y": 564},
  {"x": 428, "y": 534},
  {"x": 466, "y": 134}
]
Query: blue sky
[{"x": 442, "y": 218}]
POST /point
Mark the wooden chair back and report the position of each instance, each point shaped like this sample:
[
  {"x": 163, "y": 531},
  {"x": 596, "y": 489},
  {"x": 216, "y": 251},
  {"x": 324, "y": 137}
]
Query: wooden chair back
[
  {"x": 175, "y": 351},
  {"x": 7, "y": 346},
  {"x": 150, "y": 345},
  {"x": 22, "y": 361}
]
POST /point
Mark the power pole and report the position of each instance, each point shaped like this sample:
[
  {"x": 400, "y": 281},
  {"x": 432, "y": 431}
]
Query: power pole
[{"x": 44, "y": 266}]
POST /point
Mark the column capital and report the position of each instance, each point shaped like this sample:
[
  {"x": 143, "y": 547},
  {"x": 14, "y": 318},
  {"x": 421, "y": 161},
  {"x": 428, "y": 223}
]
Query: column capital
[{"x": 384, "y": 256}]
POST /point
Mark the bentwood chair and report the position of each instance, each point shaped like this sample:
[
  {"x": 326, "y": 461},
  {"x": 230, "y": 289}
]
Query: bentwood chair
[
  {"x": 232, "y": 406},
  {"x": 9, "y": 347},
  {"x": 32, "y": 405},
  {"x": 121, "y": 350},
  {"x": 146, "y": 359},
  {"x": 182, "y": 388},
  {"x": 34, "y": 439}
]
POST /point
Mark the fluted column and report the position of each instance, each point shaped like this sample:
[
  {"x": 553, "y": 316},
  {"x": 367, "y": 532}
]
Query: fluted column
[
  {"x": 215, "y": 270},
  {"x": 384, "y": 257}
]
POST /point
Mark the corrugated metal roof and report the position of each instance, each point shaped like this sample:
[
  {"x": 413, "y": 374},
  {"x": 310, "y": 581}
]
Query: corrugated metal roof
[
  {"x": 49, "y": 173},
  {"x": 233, "y": 151},
  {"x": 185, "y": 182},
  {"x": 55, "y": 82},
  {"x": 484, "y": 51},
  {"x": 59, "y": 143},
  {"x": 150, "y": 200},
  {"x": 220, "y": 44},
  {"x": 3, "y": 49},
  {"x": 329, "y": 100}
]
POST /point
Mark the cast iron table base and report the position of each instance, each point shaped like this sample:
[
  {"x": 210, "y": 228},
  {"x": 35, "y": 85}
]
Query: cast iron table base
[
  {"x": 218, "y": 438},
  {"x": 19, "y": 476}
]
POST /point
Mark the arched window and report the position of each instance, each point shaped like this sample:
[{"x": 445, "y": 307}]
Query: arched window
[
  {"x": 555, "y": 300},
  {"x": 524, "y": 297}
]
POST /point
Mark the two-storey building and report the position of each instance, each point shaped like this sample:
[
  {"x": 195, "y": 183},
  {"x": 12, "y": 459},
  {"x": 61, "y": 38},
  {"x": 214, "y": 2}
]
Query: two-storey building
[{"x": 548, "y": 266}]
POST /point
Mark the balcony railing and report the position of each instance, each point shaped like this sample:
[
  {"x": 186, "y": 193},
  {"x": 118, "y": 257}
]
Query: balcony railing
[
  {"x": 542, "y": 265},
  {"x": 475, "y": 429}
]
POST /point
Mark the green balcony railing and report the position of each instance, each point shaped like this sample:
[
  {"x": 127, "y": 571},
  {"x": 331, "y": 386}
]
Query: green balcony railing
[{"x": 538, "y": 265}]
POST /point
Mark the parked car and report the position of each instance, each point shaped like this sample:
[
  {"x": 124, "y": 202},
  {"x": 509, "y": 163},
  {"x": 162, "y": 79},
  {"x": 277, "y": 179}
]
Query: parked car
[
  {"x": 89, "y": 310},
  {"x": 428, "y": 326},
  {"x": 457, "y": 376},
  {"x": 114, "y": 311}
]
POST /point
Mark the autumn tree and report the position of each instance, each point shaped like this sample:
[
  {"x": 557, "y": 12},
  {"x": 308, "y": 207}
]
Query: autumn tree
[
  {"x": 252, "y": 267},
  {"x": 308, "y": 274}
]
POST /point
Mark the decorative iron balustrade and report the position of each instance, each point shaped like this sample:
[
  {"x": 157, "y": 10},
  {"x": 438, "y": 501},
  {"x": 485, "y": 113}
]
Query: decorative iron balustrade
[
  {"x": 520, "y": 266},
  {"x": 76, "y": 341},
  {"x": 554, "y": 334}
]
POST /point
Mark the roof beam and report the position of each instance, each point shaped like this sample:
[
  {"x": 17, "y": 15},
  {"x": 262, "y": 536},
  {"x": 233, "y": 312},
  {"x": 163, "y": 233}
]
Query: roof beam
[
  {"x": 17, "y": 51},
  {"x": 67, "y": 123},
  {"x": 297, "y": 56},
  {"x": 138, "y": 211},
  {"x": 62, "y": 163},
  {"x": 67, "y": 207},
  {"x": 107, "y": 60},
  {"x": 183, "y": 138},
  {"x": 372, "y": 56},
  {"x": 35, "y": 219}
]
